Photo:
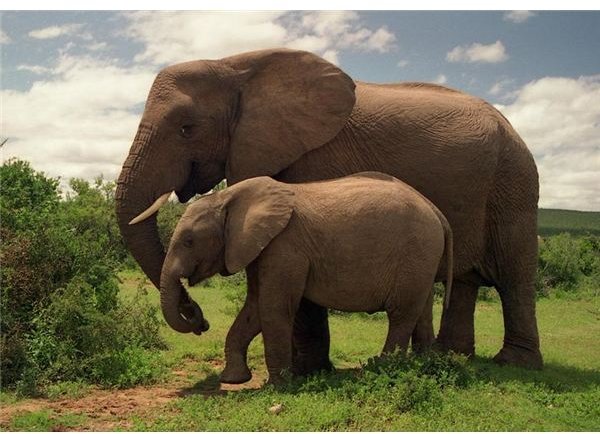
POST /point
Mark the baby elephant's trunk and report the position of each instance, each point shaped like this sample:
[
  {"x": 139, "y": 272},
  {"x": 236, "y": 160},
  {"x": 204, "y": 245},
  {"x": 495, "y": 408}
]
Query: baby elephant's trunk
[{"x": 181, "y": 312}]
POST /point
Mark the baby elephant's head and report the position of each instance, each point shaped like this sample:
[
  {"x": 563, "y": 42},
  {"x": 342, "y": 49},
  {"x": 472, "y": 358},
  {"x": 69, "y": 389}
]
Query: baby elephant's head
[{"x": 220, "y": 233}]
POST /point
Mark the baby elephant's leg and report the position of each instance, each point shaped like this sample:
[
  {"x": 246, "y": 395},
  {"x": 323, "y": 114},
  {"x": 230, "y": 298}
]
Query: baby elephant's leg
[
  {"x": 281, "y": 289},
  {"x": 423, "y": 337},
  {"x": 245, "y": 328},
  {"x": 401, "y": 325},
  {"x": 404, "y": 310}
]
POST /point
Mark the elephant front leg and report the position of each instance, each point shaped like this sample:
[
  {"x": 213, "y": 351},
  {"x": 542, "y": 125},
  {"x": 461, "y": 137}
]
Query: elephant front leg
[
  {"x": 456, "y": 331},
  {"x": 245, "y": 328},
  {"x": 279, "y": 299}
]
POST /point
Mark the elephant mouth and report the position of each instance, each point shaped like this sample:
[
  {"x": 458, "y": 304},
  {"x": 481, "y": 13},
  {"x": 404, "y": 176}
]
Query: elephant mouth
[
  {"x": 202, "y": 179},
  {"x": 189, "y": 188}
]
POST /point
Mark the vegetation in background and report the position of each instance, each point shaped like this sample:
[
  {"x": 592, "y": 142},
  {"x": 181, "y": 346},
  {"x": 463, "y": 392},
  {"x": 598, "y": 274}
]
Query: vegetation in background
[
  {"x": 569, "y": 264},
  {"x": 61, "y": 317},
  {"x": 556, "y": 221}
]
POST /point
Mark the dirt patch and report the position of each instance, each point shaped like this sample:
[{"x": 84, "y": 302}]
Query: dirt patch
[{"x": 107, "y": 410}]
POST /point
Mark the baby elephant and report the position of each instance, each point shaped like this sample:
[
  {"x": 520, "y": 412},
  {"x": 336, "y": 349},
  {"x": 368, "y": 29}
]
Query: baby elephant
[{"x": 363, "y": 243}]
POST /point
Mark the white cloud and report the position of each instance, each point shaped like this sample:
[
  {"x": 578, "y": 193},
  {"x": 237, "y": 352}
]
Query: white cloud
[
  {"x": 492, "y": 53},
  {"x": 4, "y": 38},
  {"x": 97, "y": 46},
  {"x": 36, "y": 69},
  {"x": 518, "y": 16},
  {"x": 559, "y": 119},
  {"x": 80, "y": 121},
  {"x": 55, "y": 31},
  {"x": 331, "y": 56},
  {"x": 172, "y": 37},
  {"x": 402, "y": 63},
  {"x": 500, "y": 89},
  {"x": 496, "y": 88},
  {"x": 440, "y": 79},
  {"x": 380, "y": 41}
]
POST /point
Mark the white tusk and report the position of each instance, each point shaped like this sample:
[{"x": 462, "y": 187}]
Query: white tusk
[{"x": 153, "y": 208}]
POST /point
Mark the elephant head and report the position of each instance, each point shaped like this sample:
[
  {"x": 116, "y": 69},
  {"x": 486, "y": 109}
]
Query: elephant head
[
  {"x": 238, "y": 117},
  {"x": 221, "y": 233}
]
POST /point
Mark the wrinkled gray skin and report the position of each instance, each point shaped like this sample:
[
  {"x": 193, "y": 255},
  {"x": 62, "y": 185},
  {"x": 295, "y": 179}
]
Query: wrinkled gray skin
[
  {"x": 294, "y": 116},
  {"x": 335, "y": 243}
]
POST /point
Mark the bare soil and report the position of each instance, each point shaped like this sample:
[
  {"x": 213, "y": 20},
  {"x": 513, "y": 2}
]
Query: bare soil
[{"x": 107, "y": 410}]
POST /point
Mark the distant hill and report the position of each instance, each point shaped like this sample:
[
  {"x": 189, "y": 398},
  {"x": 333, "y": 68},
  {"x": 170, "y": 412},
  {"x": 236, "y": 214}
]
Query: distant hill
[{"x": 555, "y": 221}]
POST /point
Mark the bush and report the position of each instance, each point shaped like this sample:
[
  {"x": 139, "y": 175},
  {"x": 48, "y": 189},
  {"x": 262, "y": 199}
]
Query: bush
[
  {"x": 60, "y": 311},
  {"x": 404, "y": 381},
  {"x": 236, "y": 290},
  {"x": 565, "y": 261},
  {"x": 167, "y": 220}
]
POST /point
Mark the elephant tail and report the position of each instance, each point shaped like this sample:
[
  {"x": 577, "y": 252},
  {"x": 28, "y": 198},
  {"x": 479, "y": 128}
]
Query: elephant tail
[{"x": 448, "y": 253}]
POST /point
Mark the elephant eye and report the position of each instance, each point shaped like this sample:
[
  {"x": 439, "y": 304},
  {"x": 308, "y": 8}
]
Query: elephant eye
[
  {"x": 186, "y": 131},
  {"x": 187, "y": 242}
]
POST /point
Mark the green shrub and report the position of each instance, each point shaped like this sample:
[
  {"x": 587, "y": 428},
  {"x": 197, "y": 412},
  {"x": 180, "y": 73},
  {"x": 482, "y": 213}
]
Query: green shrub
[
  {"x": 59, "y": 308},
  {"x": 403, "y": 381},
  {"x": 564, "y": 261},
  {"x": 73, "y": 340},
  {"x": 127, "y": 367},
  {"x": 446, "y": 369},
  {"x": 167, "y": 220},
  {"x": 236, "y": 290}
]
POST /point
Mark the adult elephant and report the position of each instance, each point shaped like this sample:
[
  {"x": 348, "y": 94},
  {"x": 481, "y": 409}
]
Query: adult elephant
[{"x": 296, "y": 117}]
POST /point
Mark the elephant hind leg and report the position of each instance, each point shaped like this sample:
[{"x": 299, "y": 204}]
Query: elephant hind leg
[
  {"x": 422, "y": 336},
  {"x": 402, "y": 323},
  {"x": 515, "y": 259},
  {"x": 405, "y": 312}
]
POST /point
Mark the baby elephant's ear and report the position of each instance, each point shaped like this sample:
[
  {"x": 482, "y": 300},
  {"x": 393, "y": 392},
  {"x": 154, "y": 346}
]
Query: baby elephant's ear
[{"x": 257, "y": 210}]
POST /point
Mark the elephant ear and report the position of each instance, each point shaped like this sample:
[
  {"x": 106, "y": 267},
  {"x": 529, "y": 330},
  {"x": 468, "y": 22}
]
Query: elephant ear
[
  {"x": 257, "y": 210},
  {"x": 291, "y": 102}
]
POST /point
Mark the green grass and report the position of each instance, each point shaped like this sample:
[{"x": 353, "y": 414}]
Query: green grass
[
  {"x": 68, "y": 389},
  {"x": 45, "y": 420},
  {"x": 408, "y": 396},
  {"x": 556, "y": 221},
  {"x": 563, "y": 396}
]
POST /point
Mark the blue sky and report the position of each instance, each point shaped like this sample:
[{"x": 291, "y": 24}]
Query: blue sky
[{"x": 74, "y": 83}]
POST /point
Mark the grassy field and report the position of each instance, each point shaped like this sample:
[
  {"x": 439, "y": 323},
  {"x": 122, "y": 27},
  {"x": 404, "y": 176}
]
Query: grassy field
[
  {"x": 460, "y": 395},
  {"x": 555, "y": 221}
]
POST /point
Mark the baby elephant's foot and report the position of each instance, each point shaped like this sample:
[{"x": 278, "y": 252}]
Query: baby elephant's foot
[{"x": 235, "y": 375}]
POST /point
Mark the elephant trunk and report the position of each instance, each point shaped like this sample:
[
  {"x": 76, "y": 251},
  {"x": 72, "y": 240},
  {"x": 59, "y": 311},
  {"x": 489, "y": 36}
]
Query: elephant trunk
[
  {"x": 133, "y": 196},
  {"x": 180, "y": 312},
  {"x": 144, "y": 244}
]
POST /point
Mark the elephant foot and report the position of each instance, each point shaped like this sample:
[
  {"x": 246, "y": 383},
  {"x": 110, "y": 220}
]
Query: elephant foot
[
  {"x": 235, "y": 375},
  {"x": 465, "y": 347},
  {"x": 519, "y": 356}
]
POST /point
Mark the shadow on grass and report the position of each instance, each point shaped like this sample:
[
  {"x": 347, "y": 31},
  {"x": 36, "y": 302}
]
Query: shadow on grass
[
  {"x": 209, "y": 386},
  {"x": 556, "y": 377},
  {"x": 560, "y": 378}
]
